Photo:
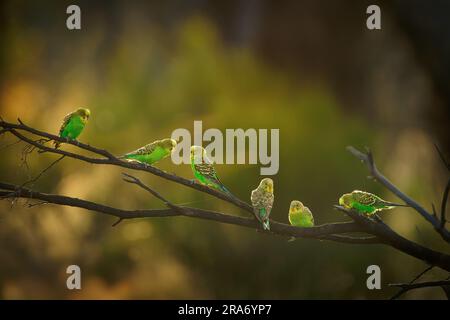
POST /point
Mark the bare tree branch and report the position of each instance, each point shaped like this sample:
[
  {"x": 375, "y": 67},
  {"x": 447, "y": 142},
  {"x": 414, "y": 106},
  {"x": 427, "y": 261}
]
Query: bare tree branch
[
  {"x": 376, "y": 229},
  {"x": 411, "y": 286},
  {"x": 367, "y": 158},
  {"x": 13, "y": 191},
  {"x": 326, "y": 231},
  {"x": 191, "y": 212},
  {"x": 108, "y": 158}
]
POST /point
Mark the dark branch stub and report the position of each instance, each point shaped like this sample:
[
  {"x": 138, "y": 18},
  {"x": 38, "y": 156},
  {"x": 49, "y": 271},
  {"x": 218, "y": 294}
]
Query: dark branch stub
[{"x": 117, "y": 222}]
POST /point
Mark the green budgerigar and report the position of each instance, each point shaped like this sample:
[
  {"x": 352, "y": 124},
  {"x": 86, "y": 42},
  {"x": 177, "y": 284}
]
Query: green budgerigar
[
  {"x": 262, "y": 201},
  {"x": 73, "y": 124},
  {"x": 152, "y": 152},
  {"x": 300, "y": 215},
  {"x": 204, "y": 171},
  {"x": 365, "y": 202}
]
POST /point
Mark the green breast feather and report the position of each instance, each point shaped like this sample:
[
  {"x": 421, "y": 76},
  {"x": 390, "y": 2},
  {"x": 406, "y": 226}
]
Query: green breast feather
[{"x": 72, "y": 128}]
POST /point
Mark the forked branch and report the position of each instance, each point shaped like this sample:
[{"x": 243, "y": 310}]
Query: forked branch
[{"x": 439, "y": 225}]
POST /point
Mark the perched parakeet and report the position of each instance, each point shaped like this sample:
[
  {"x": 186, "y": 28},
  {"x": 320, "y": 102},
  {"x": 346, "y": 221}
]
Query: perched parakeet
[
  {"x": 73, "y": 124},
  {"x": 152, "y": 152},
  {"x": 365, "y": 202},
  {"x": 204, "y": 171},
  {"x": 300, "y": 216},
  {"x": 262, "y": 201}
]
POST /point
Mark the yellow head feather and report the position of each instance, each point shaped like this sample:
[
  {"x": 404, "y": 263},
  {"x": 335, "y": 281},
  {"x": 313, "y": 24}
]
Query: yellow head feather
[
  {"x": 266, "y": 184},
  {"x": 83, "y": 113}
]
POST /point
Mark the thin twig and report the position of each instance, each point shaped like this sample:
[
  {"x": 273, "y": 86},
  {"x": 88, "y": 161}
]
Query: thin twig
[
  {"x": 10, "y": 144},
  {"x": 407, "y": 286},
  {"x": 441, "y": 155},
  {"x": 417, "y": 277},
  {"x": 421, "y": 274},
  {"x": 42, "y": 172},
  {"x": 434, "y": 210},
  {"x": 117, "y": 222},
  {"x": 131, "y": 179}
]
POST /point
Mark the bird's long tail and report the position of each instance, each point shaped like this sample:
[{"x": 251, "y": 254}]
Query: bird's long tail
[
  {"x": 225, "y": 190},
  {"x": 392, "y": 204},
  {"x": 266, "y": 225},
  {"x": 228, "y": 192}
]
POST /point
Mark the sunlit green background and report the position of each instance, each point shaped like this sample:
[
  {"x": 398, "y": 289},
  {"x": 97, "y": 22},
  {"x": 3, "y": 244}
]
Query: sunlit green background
[{"x": 309, "y": 68}]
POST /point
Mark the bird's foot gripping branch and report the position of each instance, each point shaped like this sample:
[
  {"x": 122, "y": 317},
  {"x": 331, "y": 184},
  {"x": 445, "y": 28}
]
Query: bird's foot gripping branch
[{"x": 361, "y": 229}]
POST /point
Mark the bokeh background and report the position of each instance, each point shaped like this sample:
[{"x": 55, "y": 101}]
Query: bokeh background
[{"x": 145, "y": 68}]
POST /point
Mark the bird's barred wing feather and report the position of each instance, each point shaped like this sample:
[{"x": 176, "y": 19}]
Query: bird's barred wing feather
[
  {"x": 269, "y": 201},
  {"x": 147, "y": 149},
  {"x": 256, "y": 202},
  {"x": 364, "y": 198},
  {"x": 255, "y": 196},
  {"x": 261, "y": 199},
  {"x": 207, "y": 170}
]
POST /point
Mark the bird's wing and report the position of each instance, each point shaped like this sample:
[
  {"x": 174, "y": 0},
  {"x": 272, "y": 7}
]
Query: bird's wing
[
  {"x": 207, "y": 170},
  {"x": 364, "y": 198},
  {"x": 254, "y": 197},
  {"x": 151, "y": 147},
  {"x": 265, "y": 203},
  {"x": 270, "y": 199},
  {"x": 147, "y": 149},
  {"x": 66, "y": 120},
  {"x": 309, "y": 213},
  {"x": 256, "y": 202}
]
